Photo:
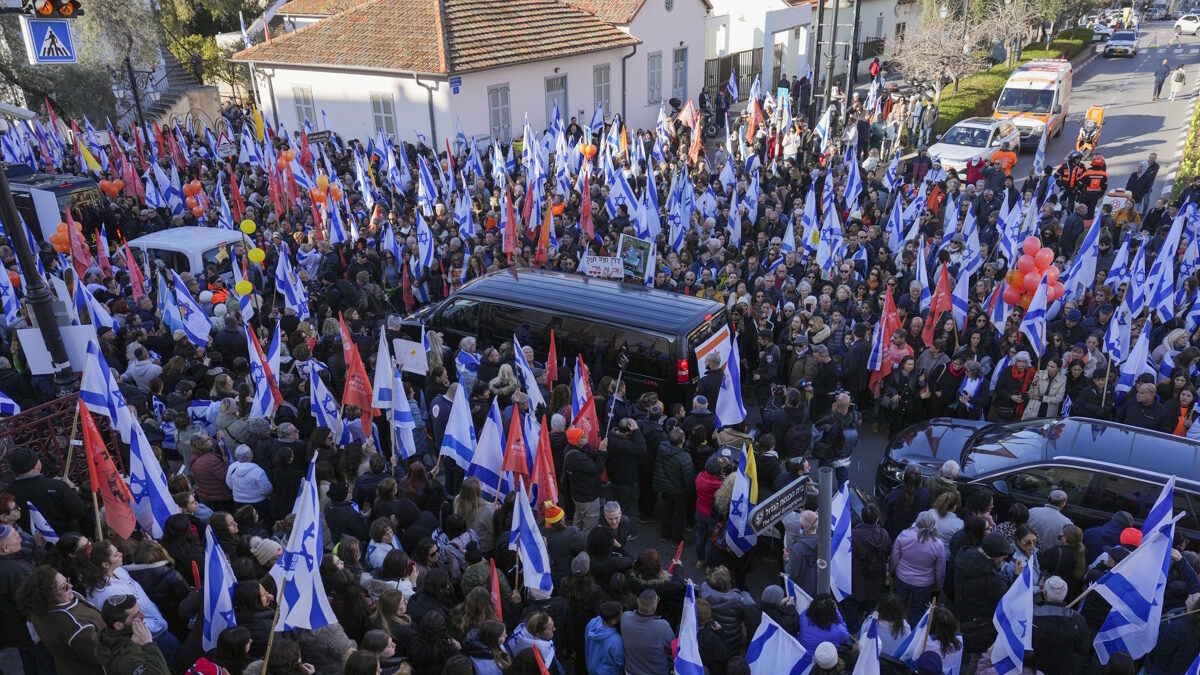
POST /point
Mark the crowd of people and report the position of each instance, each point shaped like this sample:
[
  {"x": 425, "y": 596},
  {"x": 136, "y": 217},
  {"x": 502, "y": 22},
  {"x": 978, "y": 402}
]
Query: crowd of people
[{"x": 408, "y": 544}]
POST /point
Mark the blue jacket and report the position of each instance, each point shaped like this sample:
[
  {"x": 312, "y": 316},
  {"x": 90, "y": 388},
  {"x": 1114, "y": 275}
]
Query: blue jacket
[
  {"x": 603, "y": 648},
  {"x": 1096, "y": 539}
]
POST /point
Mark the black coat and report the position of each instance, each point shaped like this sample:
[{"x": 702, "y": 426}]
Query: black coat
[
  {"x": 57, "y": 501},
  {"x": 581, "y": 473},
  {"x": 14, "y": 386},
  {"x": 343, "y": 518},
  {"x": 624, "y": 454},
  {"x": 14, "y": 568},
  {"x": 978, "y": 586},
  {"x": 1061, "y": 639},
  {"x": 1089, "y": 404}
]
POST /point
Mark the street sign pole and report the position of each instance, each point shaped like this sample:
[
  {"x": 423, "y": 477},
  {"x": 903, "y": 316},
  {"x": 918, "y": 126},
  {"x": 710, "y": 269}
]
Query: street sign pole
[{"x": 824, "y": 528}]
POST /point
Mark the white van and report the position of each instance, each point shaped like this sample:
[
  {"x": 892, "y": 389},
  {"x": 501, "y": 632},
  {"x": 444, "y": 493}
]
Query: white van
[
  {"x": 190, "y": 249},
  {"x": 1036, "y": 96}
]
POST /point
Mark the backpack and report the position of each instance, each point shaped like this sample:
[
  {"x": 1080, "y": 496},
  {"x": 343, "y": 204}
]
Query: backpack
[{"x": 1179, "y": 76}]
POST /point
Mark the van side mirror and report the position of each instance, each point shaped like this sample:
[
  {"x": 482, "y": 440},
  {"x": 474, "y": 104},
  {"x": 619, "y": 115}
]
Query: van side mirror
[{"x": 1057, "y": 110}]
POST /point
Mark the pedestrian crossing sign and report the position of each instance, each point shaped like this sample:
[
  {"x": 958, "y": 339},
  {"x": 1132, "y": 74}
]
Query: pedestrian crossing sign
[{"x": 48, "y": 41}]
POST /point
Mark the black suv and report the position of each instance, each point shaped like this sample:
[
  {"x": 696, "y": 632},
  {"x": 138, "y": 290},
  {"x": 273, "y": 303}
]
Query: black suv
[{"x": 1104, "y": 467}]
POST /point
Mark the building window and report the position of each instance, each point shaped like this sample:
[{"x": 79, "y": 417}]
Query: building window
[
  {"x": 654, "y": 77},
  {"x": 556, "y": 92},
  {"x": 679, "y": 74},
  {"x": 383, "y": 113},
  {"x": 499, "y": 113},
  {"x": 601, "y": 83},
  {"x": 879, "y": 25},
  {"x": 305, "y": 110},
  {"x": 900, "y": 32}
]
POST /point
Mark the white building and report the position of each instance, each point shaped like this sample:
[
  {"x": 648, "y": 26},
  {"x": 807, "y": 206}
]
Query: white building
[{"x": 410, "y": 67}]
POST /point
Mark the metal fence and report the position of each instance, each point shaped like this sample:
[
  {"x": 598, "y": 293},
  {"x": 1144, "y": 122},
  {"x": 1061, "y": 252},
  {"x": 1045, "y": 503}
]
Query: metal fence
[{"x": 747, "y": 65}]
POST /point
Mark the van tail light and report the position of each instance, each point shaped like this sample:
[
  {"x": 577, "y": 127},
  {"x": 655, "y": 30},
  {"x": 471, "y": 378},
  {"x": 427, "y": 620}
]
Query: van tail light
[{"x": 681, "y": 371}]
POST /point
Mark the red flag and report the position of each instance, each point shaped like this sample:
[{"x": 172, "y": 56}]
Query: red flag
[
  {"x": 136, "y": 280},
  {"x": 891, "y": 323},
  {"x": 543, "y": 245},
  {"x": 543, "y": 467},
  {"x": 306, "y": 154},
  {"x": 541, "y": 663},
  {"x": 406, "y": 293},
  {"x": 586, "y": 419},
  {"x": 358, "y": 386},
  {"x": 137, "y": 143},
  {"x": 527, "y": 206},
  {"x": 940, "y": 302},
  {"x": 101, "y": 257},
  {"x": 53, "y": 117},
  {"x": 514, "y": 454},
  {"x": 114, "y": 148},
  {"x": 585, "y": 212},
  {"x": 235, "y": 197},
  {"x": 450, "y": 159},
  {"x": 678, "y": 552},
  {"x": 105, "y": 480},
  {"x": 551, "y": 362},
  {"x": 81, "y": 256},
  {"x": 495, "y": 590},
  {"x": 158, "y": 138},
  {"x": 510, "y": 228}
]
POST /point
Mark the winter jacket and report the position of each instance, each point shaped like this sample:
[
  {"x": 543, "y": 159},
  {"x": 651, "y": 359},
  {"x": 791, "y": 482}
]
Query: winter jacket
[
  {"x": 919, "y": 563},
  {"x": 1181, "y": 582},
  {"x": 896, "y": 516},
  {"x": 604, "y": 651},
  {"x": 1175, "y": 649},
  {"x": 624, "y": 453},
  {"x": 1093, "y": 403},
  {"x": 801, "y": 566},
  {"x": 582, "y": 469},
  {"x": 812, "y": 635},
  {"x": 141, "y": 372},
  {"x": 978, "y": 586},
  {"x": 209, "y": 471},
  {"x": 562, "y": 545},
  {"x": 670, "y": 589},
  {"x": 343, "y": 518},
  {"x": 259, "y": 624},
  {"x": 248, "y": 482},
  {"x": 121, "y": 655},
  {"x": 58, "y": 502},
  {"x": 673, "y": 470},
  {"x": 168, "y": 589},
  {"x": 14, "y": 568},
  {"x": 1153, "y": 417},
  {"x": 647, "y": 642},
  {"x": 1100, "y": 537},
  {"x": 730, "y": 609},
  {"x": 707, "y": 485},
  {"x": 325, "y": 648},
  {"x": 1046, "y": 395},
  {"x": 871, "y": 547},
  {"x": 1061, "y": 639}
]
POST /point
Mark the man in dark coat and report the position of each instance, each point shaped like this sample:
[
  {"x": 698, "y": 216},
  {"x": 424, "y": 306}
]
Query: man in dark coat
[
  {"x": 979, "y": 585},
  {"x": 1061, "y": 637},
  {"x": 14, "y": 386},
  {"x": 57, "y": 500},
  {"x": 626, "y": 447}
]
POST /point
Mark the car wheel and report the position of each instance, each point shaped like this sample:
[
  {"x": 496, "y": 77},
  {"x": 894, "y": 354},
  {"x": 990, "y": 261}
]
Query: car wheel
[{"x": 1179, "y": 30}]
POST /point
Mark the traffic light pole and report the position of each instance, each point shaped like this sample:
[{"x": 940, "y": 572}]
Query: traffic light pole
[{"x": 37, "y": 294}]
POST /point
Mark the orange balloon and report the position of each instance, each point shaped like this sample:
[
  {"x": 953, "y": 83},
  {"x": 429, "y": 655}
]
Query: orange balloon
[
  {"x": 197, "y": 211},
  {"x": 62, "y": 227},
  {"x": 191, "y": 202},
  {"x": 1025, "y": 300},
  {"x": 336, "y": 192},
  {"x": 322, "y": 182},
  {"x": 322, "y": 195},
  {"x": 589, "y": 151},
  {"x": 14, "y": 279},
  {"x": 60, "y": 242},
  {"x": 1044, "y": 258},
  {"x": 104, "y": 185}
]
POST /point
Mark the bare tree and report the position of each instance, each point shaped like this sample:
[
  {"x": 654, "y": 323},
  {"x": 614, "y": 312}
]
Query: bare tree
[
  {"x": 1010, "y": 23},
  {"x": 937, "y": 53}
]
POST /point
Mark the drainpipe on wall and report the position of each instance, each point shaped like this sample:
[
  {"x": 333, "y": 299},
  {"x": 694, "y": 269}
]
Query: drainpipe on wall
[
  {"x": 432, "y": 124},
  {"x": 624, "y": 88}
]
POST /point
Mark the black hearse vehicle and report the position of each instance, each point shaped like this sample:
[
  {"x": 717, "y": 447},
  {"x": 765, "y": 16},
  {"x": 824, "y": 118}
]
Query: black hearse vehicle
[{"x": 601, "y": 320}]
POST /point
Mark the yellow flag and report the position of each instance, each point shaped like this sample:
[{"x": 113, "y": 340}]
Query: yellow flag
[
  {"x": 258, "y": 124},
  {"x": 752, "y": 474},
  {"x": 92, "y": 164}
]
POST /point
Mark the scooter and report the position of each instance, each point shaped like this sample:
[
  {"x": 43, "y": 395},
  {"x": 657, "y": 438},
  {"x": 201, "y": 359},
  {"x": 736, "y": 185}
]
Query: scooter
[{"x": 1089, "y": 133}]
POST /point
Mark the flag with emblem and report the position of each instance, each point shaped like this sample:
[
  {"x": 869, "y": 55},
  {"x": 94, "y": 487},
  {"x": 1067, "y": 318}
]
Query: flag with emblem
[
  {"x": 301, "y": 597},
  {"x": 104, "y": 479}
]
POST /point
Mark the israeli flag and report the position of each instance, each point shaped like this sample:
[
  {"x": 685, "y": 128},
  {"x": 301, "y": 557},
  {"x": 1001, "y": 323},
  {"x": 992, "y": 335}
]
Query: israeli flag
[
  {"x": 869, "y": 648},
  {"x": 458, "y": 442},
  {"x": 1117, "y": 336},
  {"x": 39, "y": 524},
  {"x": 799, "y": 597},
  {"x": 960, "y": 299},
  {"x": 8, "y": 297},
  {"x": 426, "y": 189},
  {"x": 86, "y": 302},
  {"x": 488, "y": 459},
  {"x": 526, "y": 372},
  {"x": 295, "y": 295},
  {"x": 1162, "y": 511},
  {"x": 526, "y": 539},
  {"x": 738, "y": 533},
  {"x": 196, "y": 324},
  {"x": 152, "y": 502},
  {"x": 323, "y": 406},
  {"x": 301, "y": 597},
  {"x": 729, "y": 408},
  {"x": 687, "y": 658},
  {"x": 262, "y": 375},
  {"x": 1134, "y": 365},
  {"x": 841, "y": 562},
  {"x": 1039, "y": 159},
  {"x": 463, "y": 216},
  {"x": 218, "y": 591},
  {"x": 402, "y": 420},
  {"x": 99, "y": 392},
  {"x": 773, "y": 651},
  {"x": 1013, "y": 620},
  {"x": 424, "y": 244},
  {"x": 1033, "y": 324},
  {"x": 1135, "y": 588},
  {"x": 8, "y": 406}
]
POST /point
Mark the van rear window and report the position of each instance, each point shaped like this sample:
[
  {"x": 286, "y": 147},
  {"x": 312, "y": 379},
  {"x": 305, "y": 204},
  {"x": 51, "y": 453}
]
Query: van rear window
[{"x": 705, "y": 330}]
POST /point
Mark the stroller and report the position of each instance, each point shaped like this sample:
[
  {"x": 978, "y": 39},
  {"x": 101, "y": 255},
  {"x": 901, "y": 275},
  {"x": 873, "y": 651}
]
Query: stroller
[{"x": 1089, "y": 133}]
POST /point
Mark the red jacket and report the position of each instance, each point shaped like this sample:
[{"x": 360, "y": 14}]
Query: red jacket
[
  {"x": 706, "y": 489},
  {"x": 209, "y": 471}
]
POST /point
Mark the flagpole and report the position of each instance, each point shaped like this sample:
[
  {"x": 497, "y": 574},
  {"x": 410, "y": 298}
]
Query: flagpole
[
  {"x": 274, "y": 621},
  {"x": 71, "y": 443},
  {"x": 96, "y": 510},
  {"x": 1107, "y": 368},
  {"x": 928, "y": 622}
]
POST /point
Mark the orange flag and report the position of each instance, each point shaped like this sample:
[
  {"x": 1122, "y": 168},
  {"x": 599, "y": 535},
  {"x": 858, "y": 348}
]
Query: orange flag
[
  {"x": 235, "y": 197},
  {"x": 510, "y": 226},
  {"x": 543, "y": 245},
  {"x": 357, "y": 391},
  {"x": 551, "y": 362},
  {"x": 891, "y": 323},
  {"x": 586, "y": 418},
  {"x": 585, "y": 212},
  {"x": 105, "y": 480},
  {"x": 515, "y": 459},
  {"x": 543, "y": 468},
  {"x": 495, "y": 591},
  {"x": 81, "y": 255},
  {"x": 940, "y": 302}
]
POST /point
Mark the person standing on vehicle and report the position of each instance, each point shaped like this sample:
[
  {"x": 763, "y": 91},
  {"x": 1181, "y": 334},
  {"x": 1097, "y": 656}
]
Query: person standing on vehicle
[
  {"x": 1178, "y": 80},
  {"x": 1160, "y": 76}
]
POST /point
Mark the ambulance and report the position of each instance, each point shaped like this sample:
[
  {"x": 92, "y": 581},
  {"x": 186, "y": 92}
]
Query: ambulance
[{"x": 1035, "y": 97}]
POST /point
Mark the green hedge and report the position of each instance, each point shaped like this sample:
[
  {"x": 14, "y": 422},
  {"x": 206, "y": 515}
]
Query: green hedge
[
  {"x": 1189, "y": 164},
  {"x": 977, "y": 92}
]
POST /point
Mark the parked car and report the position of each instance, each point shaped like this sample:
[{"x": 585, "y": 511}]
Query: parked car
[
  {"x": 1093, "y": 461},
  {"x": 975, "y": 137},
  {"x": 1101, "y": 31},
  {"x": 1188, "y": 23},
  {"x": 1122, "y": 43}
]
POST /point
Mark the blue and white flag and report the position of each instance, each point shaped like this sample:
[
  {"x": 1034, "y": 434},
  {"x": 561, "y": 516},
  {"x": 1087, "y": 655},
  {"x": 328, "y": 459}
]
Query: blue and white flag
[
  {"x": 1013, "y": 620},
  {"x": 1039, "y": 159},
  {"x": 219, "y": 583},
  {"x": 39, "y": 524},
  {"x": 323, "y": 406},
  {"x": 463, "y": 216},
  {"x": 87, "y": 303},
  {"x": 1135, "y": 588},
  {"x": 1033, "y": 324},
  {"x": 687, "y": 658},
  {"x": 8, "y": 297},
  {"x": 923, "y": 276},
  {"x": 426, "y": 189},
  {"x": 488, "y": 460},
  {"x": 152, "y": 502},
  {"x": 536, "y": 400},
  {"x": 526, "y": 539},
  {"x": 1162, "y": 511},
  {"x": 302, "y": 599},
  {"x": 295, "y": 295},
  {"x": 800, "y": 599},
  {"x": 196, "y": 324},
  {"x": 738, "y": 533},
  {"x": 263, "y": 375},
  {"x": 99, "y": 392},
  {"x": 869, "y": 649},
  {"x": 893, "y": 170},
  {"x": 403, "y": 422},
  {"x": 1134, "y": 365},
  {"x": 729, "y": 408},
  {"x": 960, "y": 299},
  {"x": 773, "y": 651},
  {"x": 732, "y": 86},
  {"x": 8, "y": 406},
  {"x": 841, "y": 561},
  {"x": 458, "y": 442}
]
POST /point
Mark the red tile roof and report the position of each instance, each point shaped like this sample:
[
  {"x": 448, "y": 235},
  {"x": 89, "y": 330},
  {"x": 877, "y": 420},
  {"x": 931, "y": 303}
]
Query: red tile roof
[
  {"x": 316, "y": 7},
  {"x": 441, "y": 36},
  {"x": 619, "y": 12}
]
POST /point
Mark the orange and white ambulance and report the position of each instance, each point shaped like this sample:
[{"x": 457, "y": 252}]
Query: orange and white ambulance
[{"x": 1035, "y": 97}]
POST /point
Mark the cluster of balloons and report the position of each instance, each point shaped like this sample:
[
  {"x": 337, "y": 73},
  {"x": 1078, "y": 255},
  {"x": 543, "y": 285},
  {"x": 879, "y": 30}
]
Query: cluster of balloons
[
  {"x": 589, "y": 151},
  {"x": 324, "y": 189},
  {"x": 288, "y": 155},
  {"x": 1035, "y": 263},
  {"x": 191, "y": 190},
  {"x": 256, "y": 256},
  {"x": 61, "y": 239},
  {"x": 112, "y": 188}
]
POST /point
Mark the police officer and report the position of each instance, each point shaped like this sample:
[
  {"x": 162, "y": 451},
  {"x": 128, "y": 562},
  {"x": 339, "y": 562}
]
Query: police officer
[
  {"x": 766, "y": 373},
  {"x": 1092, "y": 185}
]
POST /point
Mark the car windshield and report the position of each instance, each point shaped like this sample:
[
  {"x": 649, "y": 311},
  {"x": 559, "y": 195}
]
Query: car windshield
[
  {"x": 1025, "y": 100},
  {"x": 1000, "y": 446},
  {"x": 972, "y": 137},
  {"x": 1126, "y": 35}
]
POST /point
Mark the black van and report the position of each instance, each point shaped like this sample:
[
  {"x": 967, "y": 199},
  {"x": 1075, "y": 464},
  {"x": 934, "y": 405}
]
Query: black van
[{"x": 658, "y": 330}]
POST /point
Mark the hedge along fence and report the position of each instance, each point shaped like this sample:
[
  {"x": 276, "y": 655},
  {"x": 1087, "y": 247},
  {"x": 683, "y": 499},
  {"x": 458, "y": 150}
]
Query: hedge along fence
[
  {"x": 1189, "y": 163},
  {"x": 977, "y": 92}
]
